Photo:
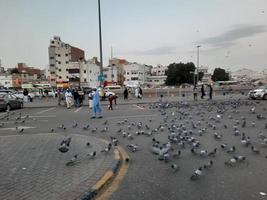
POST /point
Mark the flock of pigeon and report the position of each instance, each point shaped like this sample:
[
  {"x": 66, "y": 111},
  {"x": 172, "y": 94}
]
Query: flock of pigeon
[{"x": 184, "y": 125}]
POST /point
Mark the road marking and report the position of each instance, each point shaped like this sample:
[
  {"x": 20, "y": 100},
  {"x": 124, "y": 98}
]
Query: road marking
[
  {"x": 43, "y": 116},
  {"x": 77, "y": 110},
  {"x": 19, "y": 127},
  {"x": 139, "y": 107},
  {"x": 132, "y": 116},
  {"x": 43, "y": 111}
]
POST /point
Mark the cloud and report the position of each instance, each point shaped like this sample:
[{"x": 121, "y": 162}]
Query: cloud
[
  {"x": 165, "y": 50},
  {"x": 230, "y": 37}
]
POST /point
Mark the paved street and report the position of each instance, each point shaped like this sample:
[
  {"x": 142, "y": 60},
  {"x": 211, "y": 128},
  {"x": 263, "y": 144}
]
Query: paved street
[{"x": 147, "y": 177}]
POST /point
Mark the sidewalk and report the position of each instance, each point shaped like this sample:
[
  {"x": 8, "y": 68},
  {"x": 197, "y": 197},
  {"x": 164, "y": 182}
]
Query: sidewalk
[
  {"x": 52, "y": 102},
  {"x": 33, "y": 168}
]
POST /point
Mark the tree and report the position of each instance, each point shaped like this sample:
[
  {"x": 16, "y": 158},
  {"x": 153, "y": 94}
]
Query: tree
[
  {"x": 179, "y": 73},
  {"x": 220, "y": 74}
]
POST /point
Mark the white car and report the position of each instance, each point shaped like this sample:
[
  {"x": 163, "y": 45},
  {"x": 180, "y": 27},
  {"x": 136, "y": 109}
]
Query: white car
[
  {"x": 259, "y": 93},
  {"x": 20, "y": 95}
]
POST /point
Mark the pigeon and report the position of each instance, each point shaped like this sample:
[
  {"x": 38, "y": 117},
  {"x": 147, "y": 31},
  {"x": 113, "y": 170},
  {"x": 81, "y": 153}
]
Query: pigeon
[
  {"x": 231, "y": 150},
  {"x": 104, "y": 130},
  {"x": 197, "y": 173},
  {"x": 176, "y": 154},
  {"x": 52, "y": 130},
  {"x": 88, "y": 144},
  {"x": 107, "y": 149},
  {"x": 75, "y": 125},
  {"x": 213, "y": 153},
  {"x": 92, "y": 154},
  {"x": 86, "y": 127},
  {"x": 20, "y": 130},
  {"x": 132, "y": 147},
  {"x": 94, "y": 130},
  {"x": 208, "y": 165},
  {"x": 72, "y": 161},
  {"x": 175, "y": 167},
  {"x": 254, "y": 150},
  {"x": 232, "y": 162},
  {"x": 114, "y": 140},
  {"x": 105, "y": 123}
]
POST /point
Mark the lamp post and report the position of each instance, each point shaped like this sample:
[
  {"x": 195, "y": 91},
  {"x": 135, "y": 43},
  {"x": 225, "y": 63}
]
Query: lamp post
[
  {"x": 100, "y": 45},
  {"x": 198, "y": 46}
]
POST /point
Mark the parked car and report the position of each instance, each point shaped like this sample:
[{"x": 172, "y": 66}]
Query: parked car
[
  {"x": 9, "y": 101},
  {"x": 259, "y": 93},
  {"x": 20, "y": 94}
]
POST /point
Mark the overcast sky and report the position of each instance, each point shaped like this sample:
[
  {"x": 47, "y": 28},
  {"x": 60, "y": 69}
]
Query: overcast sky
[{"x": 232, "y": 33}]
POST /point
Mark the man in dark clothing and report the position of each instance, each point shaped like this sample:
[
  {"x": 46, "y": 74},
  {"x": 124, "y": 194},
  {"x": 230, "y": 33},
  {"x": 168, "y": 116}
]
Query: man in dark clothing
[
  {"x": 125, "y": 93},
  {"x": 202, "y": 92},
  {"x": 210, "y": 92},
  {"x": 76, "y": 98}
]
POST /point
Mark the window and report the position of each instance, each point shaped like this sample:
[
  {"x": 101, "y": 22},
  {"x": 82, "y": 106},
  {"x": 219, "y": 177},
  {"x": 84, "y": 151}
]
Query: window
[
  {"x": 90, "y": 71},
  {"x": 84, "y": 80},
  {"x": 84, "y": 71},
  {"x": 127, "y": 73},
  {"x": 67, "y": 76},
  {"x": 66, "y": 54},
  {"x": 59, "y": 70},
  {"x": 67, "y": 62},
  {"x": 52, "y": 72},
  {"x": 59, "y": 77},
  {"x": 134, "y": 78},
  {"x": 52, "y": 57},
  {"x": 52, "y": 79},
  {"x": 58, "y": 55},
  {"x": 52, "y": 41},
  {"x": 52, "y": 65},
  {"x": 59, "y": 62},
  {"x": 67, "y": 69}
]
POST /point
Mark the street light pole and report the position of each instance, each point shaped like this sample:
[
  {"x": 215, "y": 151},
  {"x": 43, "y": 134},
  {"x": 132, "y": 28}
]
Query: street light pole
[
  {"x": 198, "y": 46},
  {"x": 100, "y": 44}
]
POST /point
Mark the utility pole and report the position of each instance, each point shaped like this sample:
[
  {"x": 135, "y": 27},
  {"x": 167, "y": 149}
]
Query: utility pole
[
  {"x": 198, "y": 46},
  {"x": 111, "y": 56},
  {"x": 100, "y": 45}
]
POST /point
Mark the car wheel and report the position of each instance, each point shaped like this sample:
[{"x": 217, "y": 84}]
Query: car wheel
[
  {"x": 8, "y": 107},
  {"x": 21, "y": 105},
  {"x": 265, "y": 97}
]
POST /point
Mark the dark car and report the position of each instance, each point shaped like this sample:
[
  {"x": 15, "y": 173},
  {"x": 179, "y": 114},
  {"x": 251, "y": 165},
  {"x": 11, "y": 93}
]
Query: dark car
[{"x": 9, "y": 101}]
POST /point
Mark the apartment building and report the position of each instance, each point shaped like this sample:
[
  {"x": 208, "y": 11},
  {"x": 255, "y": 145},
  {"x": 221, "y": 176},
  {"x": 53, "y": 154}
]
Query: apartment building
[{"x": 60, "y": 56}]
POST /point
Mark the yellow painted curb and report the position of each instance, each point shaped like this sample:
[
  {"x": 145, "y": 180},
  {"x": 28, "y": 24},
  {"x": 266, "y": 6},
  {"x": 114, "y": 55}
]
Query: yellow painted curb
[
  {"x": 107, "y": 176},
  {"x": 118, "y": 178}
]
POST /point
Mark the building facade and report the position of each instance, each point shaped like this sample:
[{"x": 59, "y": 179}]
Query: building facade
[{"x": 60, "y": 57}]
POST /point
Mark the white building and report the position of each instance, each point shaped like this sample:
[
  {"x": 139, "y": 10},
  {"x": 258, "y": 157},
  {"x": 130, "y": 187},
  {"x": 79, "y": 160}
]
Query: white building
[
  {"x": 135, "y": 74},
  {"x": 6, "y": 81},
  {"x": 153, "y": 81},
  {"x": 159, "y": 70}
]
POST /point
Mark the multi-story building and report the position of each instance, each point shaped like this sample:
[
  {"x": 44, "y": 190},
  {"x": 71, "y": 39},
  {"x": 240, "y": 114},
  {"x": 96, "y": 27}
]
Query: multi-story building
[
  {"x": 135, "y": 74},
  {"x": 6, "y": 80},
  {"x": 60, "y": 56},
  {"x": 159, "y": 70},
  {"x": 118, "y": 65},
  {"x": 23, "y": 68}
]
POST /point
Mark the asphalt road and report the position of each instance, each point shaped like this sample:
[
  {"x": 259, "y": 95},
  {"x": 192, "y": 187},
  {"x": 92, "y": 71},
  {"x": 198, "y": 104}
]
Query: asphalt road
[{"x": 149, "y": 178}]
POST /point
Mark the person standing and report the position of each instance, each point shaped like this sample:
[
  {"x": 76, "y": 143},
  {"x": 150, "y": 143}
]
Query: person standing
[
  {"x": 195, "y": 93},
  {"x": 59, "y": 96},
  {"x": 90, "y": 98},
  {"x": 125, "y": 93},
  {"x": 25, "y": 95},
  {"x": 76, "y": 98},
  {"x": 136, "y": 92},
  {"x": 210, "y": 92},
  {"x": 202, "y": 91},
  {"x": 140, "y": 93},
  {"x": 68, "y": 97},
  {"x": 96, "y": 105},
  {"x": 46, "y": 94}
]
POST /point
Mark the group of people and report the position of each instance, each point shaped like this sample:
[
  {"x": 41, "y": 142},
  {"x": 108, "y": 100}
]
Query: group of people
[
  {"x": 72, "y": 97},
  {"x": 202, "y": 91}
]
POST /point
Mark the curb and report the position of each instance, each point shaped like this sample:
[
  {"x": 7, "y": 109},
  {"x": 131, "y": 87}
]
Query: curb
[{"x": 104, "y": 179}]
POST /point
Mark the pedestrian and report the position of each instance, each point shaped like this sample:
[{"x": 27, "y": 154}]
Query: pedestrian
[
  {"x": 96, "y": 105},
  {"x": 68, "y": 97},
  {"x": 125, "y": 93},
  {"x": 59, "y": 96},
  {"x": 202, "y": 91},
  {"x": 46, "y": 94},
  {"x": 110, "y": 99},
  {"x": 195, "y": 93},
  {"x": 90, "y": 98},
  {"x": 25, "y": 95},
  {"x": 76, "y": 98},
  {"x": 210, "y": 92},
  {"x": 81, "y": 95},
  {"x": 140, "y": 93}
]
